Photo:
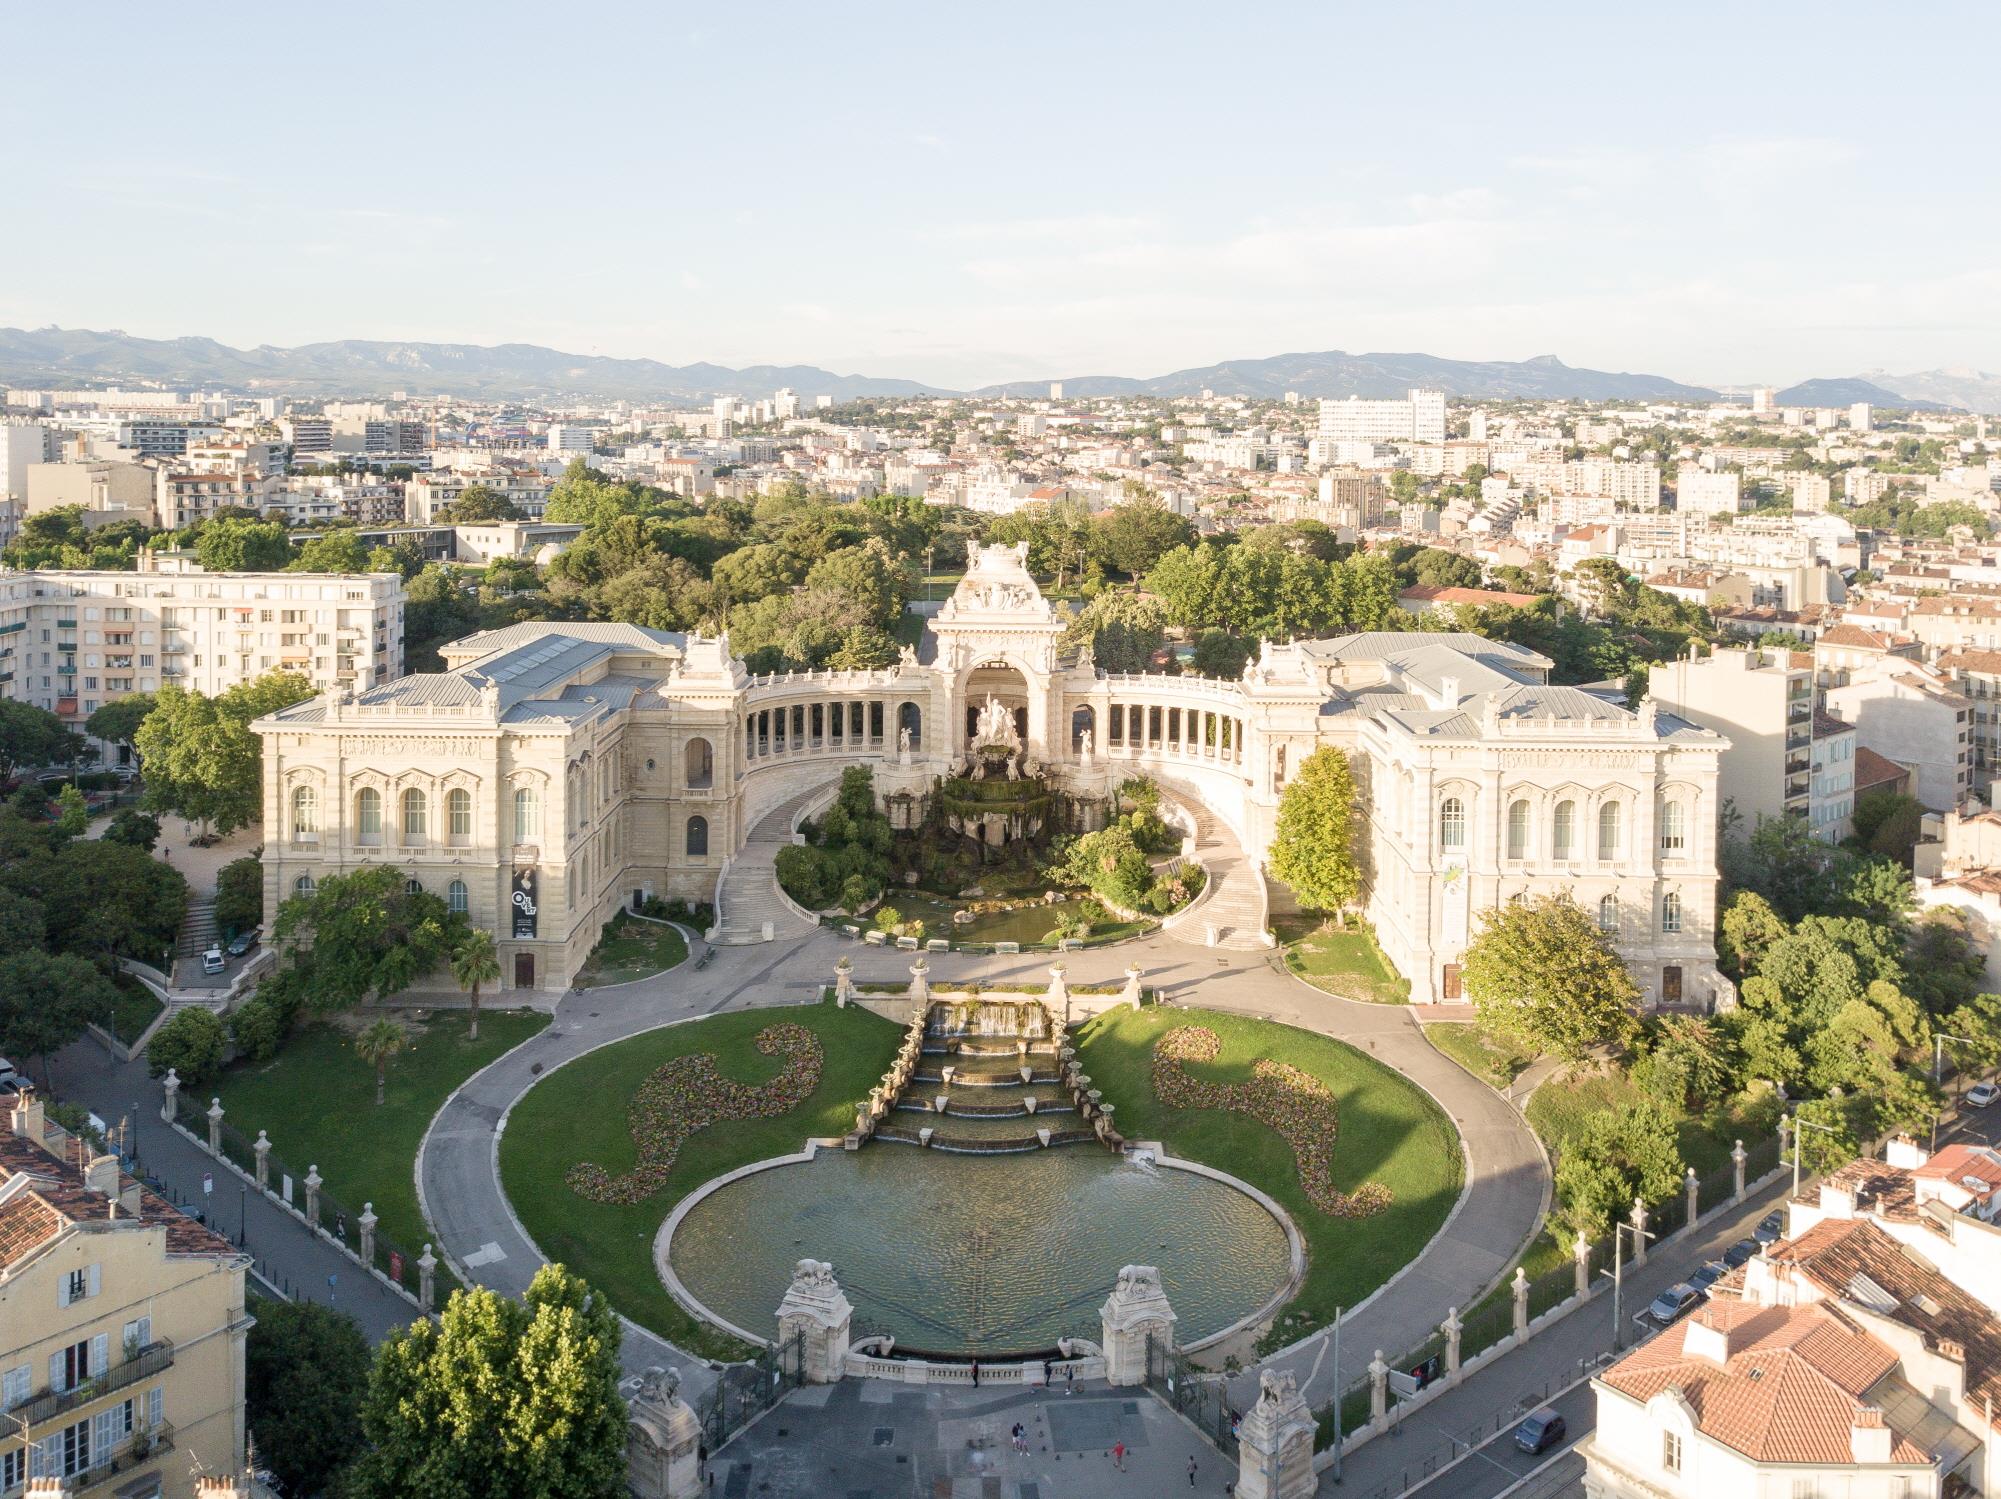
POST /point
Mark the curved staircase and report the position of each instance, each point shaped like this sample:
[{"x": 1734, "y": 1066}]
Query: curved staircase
[{"x": 750, "y": 897}]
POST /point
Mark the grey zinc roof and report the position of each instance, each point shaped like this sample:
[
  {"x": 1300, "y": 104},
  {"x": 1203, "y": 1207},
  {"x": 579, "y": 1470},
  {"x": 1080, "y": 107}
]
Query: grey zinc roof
[
  {"x": 628, "y": 637},
  {"x": 1395, "y": 645}
]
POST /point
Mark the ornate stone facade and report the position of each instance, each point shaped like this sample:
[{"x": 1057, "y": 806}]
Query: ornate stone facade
[{"x": 556, "y": 772}]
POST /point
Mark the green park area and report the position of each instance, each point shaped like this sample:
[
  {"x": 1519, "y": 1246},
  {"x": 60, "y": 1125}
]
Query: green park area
[
  {"x": 1343, "y": 961},
  {"x": 580, "y": 1114},
  {"x": 632, "y": 949}
]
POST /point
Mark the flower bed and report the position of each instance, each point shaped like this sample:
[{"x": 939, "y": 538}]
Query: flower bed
[
  {"x": 1298, "y": 1106},
  {"x": 688, "y": 1094}
]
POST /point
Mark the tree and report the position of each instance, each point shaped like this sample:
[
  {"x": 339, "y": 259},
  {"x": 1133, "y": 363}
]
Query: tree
[
  {"x": 1137, "y": 534},
  {"x": 1750, "y": 927},
  {"x": 191, "y": 1044},
  {"x": 499, "y": 1399},
  {"x": 336, "y": 550},
  {"x": 1313, "y": 845},
  {"x": 236, "y": 545},
  {"x": 47, "y": 1000},
  {"x": 1185, "y": 581},
  {"x": 202, "y": 760},
  {"x": 133, "y": 827},
  {"x": 117, "y": 722},
  {"x": 1541, "y": 972},
  {"x": 475, "y": 963},
  {"x": 305, "y": 1371},
  {"x": 1220, "y": 654},
  {"x": 367, "y": 935},
  {"x": 72, "y": 812},
  {"x": 239, "y": 894},
  {"x": 476, "y": 502},
  {"x": 1613, "y": 1158},
  {"x": 104, "y": 900},
  {"x": 1123, "y": 629},
  {"x": 30, "y": 736},
  {"x": 376, "y": 1046}
]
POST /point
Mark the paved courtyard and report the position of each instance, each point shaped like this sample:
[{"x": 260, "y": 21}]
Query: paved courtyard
[{"x": 866, "y": 1439}]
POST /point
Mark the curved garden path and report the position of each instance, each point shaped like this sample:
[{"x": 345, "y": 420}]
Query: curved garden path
[{"x": 1507, "y": 1176}]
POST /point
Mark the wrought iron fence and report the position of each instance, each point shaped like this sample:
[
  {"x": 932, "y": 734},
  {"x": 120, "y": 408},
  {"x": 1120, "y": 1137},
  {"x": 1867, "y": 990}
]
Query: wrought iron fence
[
  {"x": 743, "y": 1392},
  {"x": 1204, "y": 1399}
]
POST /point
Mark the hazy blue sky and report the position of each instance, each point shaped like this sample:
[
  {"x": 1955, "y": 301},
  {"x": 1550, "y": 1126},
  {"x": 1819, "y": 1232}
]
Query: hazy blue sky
[{"x": 963, "y": 193}]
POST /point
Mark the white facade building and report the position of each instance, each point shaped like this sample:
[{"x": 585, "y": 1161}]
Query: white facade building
[{"x": 1419, "y": 417}]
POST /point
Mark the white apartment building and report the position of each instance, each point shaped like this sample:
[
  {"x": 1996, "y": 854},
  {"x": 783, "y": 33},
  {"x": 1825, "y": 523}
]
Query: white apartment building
[
  {"x": 1763, "y": 701},
  {"x": 1635, "y": 486},
  {"x": 309, "y": 436},
  {"x": 21, "y": 444},
  {"x": 1812, "y": 492},
  {"x": 1911, "y": 714},
  {"x": 1700, "y": 491},
  {"x": 73, "y": 641},
  {"x": 1419, "y": 417},
  {"x": 426, "y": 494},
  {"x": 569, "y": 441},
  {"x": 1831, "y": 802}
]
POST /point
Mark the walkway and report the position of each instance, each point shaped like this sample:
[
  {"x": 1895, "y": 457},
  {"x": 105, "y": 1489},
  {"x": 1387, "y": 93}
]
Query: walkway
[
  {"x": 1506, "y": 1177},
  {"x": 1232, "y": 912},
  {"x": 750, "y": 896}
]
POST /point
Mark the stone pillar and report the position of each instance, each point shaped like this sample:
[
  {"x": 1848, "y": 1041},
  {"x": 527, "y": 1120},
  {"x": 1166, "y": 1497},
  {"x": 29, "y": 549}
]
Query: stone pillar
[
  {"x": 662, "y": 1440},
  {"x": 215, "y": 1126},
  {"x": 1785, "y": 1138},
  {"x": 1136, "y": 1310},
  {"x": 262, "y": 1150},
  {"x": 1452, "y": 1327},
  {"x": 1131, "y": 993},
  {"x": 920, "y": 985},
  {"x": 1379, "y": 1387},
  {"x": 814, "y": 1321},
  {"x": 1737, "y": 1154},
  {"x": 1694, "y": 1191},
  {"x": 1058, "y": 997},
  {"x": 313, "y": 1180},
  {"x": 1639, "y": 1232},
  {"x": 1581, "y": 1253},
  {"x": 427, "y": 1278},
  {"x": 844, "y": 982},
  {"x": 170, "y": 1103},
  {"x": 1275, "y": 1442},
  {"x": 367, "y": 1223},
  {"x": 1519, "y": 1290}
]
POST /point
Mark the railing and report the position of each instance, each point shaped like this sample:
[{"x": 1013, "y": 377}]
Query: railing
[
  {"x": 743, "y": 1392},
  {"x": 155, "y": 1358}
]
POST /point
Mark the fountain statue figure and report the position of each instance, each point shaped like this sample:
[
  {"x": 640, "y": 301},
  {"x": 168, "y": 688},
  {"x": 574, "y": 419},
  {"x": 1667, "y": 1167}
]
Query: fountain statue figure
[{"x": 995, "y": 726}]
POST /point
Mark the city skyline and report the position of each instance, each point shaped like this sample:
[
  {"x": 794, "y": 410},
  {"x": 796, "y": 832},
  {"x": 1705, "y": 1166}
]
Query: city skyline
[{"x": 1721, "y": 207}]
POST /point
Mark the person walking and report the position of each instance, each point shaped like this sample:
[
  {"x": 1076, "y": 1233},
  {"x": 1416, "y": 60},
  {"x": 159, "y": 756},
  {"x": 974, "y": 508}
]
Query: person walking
[
  {"x": 1070, "y": 1380},
  {"x": 1119, "y": 1456},
  {"x": 1191, "y": 1470}
]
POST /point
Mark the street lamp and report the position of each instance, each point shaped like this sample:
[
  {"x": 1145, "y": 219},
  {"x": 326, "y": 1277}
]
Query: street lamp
[
  {"x": 1939, "y": 1038},
  {"x": 1617, "y": 1272},
  {"x": 1798, "y": 1125},
  {"x": 135, "y": 1136}
]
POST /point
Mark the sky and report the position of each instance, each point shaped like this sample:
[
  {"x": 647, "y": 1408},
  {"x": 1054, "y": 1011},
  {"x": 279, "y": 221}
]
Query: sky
[{"x": 961, "y": 194}]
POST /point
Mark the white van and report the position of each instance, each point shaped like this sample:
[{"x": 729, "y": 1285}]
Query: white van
[{"x": 213, "y": 961}]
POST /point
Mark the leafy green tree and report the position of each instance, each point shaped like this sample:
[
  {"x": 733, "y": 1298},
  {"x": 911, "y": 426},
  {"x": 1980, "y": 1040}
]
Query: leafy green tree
[
  {"x": 1439, "y": 568},
  {"x": 117, "y": 722},
  {"x": 202, "y": 760},
  {"x": 335, "y": 550},
  {"x": 1944, "y": 969},
  {"x": 1687, "y": 1063},
  {"x": 1313, "y": 844},
  {"x": 1220, "y": 654},
  {"x": 1750, "y": 927},
  {"x": 1137, "y": 534},
  {"x": 305, "y": 1370},
  {"x": 757, "y": 572},
  {"x": 1185, "y": 581},
  {"x": 499, "y": 1399},
  {"x": 377, "y": 1046},
  {"x": 362, "y": 934},
  {"x": 1615, "y": 1157},
  {"x": 475, "y": 964},
  {"x": 1122, "y": 628},
  {"x": 239, "y": 894},
  {"x": 191, "y": 1043},
  {"x": 72, "y": 812},
  {"x": 867, "y": 575},
  {"x": 1540, "y": 972},
  {"x": 237, "y": 545},
  {"x": 864, "y": 648},
  {"x": 479, "y": 503},
  {"x": 104, "y": 900},
  {"x": 31, "y": 736},
  {"x": 47, "y": 1000},
  {"x": 131, "y": 826}
]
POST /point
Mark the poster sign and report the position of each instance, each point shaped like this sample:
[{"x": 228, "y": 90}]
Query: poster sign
[
  {"x": 396, "y": 1267},
  {"x": 524, "y": 903},
  {"x": 207, "y": 1183}
]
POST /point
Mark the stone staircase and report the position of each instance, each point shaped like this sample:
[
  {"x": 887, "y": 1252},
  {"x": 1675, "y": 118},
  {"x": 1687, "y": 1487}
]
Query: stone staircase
[
  {"x": 198, "y": 930},
  {"x": 1232, "y": 911},
  {"x": 750, "y": 897}
]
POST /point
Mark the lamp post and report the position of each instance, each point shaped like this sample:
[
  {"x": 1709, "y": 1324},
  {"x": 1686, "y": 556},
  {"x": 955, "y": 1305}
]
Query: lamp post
[
  {"x": 1939, "y": 1038},
  {"x": 1798, "y": 1125},
  {"x": 1617, "y": 1272},
  {"x": 135, "y": 1136}
]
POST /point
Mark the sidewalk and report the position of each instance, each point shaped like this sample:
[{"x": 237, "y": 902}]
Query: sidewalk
[{"x": 297, "y": 1263}]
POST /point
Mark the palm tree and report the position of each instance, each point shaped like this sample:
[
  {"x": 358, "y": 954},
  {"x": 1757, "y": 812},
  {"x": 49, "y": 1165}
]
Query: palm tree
[
  {"x": 476, "y": 963},
  {"x": 376, "y": 1046}
]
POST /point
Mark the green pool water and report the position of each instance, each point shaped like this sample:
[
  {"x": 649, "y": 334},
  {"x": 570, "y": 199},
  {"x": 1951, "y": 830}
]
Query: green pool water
[{"x": 976, "y": 1254}]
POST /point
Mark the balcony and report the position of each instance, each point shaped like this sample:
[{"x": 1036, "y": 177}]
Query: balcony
[
  {"x": 66, "y": 669},
  {"x": 155, "y": 1358},
  {"x": 65, "y": 645},
  {"x": 65, "y": 624}
]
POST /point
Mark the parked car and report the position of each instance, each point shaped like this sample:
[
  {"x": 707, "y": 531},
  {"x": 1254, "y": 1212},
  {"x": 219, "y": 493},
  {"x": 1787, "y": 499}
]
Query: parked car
[
  {"x": 1771, "y": 1228},
  {"x": 213, "y": 961},
  {"x": 1540, "y": 1429},
  {"x": 1672, "y": 1303},
  {"x": 1739, "y": 1252},
  {"x": 1980, "y": 1095},
  {"x": 1709, "y": 1275},
  {"x": 9, "y": 1078},
  {"x": 244, "y": 941}
]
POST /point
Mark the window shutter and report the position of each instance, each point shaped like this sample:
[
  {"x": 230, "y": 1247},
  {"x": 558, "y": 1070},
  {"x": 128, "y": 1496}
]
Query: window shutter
[
  {"x": 153, "y": 1404},
  {"x": 62, "y": 1291},
  {"x": 93, "y": 1282},
  {"x": 56, "y": 1381},
  {"x": 100, "y": 1355}
]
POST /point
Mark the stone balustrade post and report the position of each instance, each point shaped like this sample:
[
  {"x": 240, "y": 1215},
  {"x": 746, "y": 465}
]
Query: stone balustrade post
[
  {"x": 427, "y": 1278},
  {"x": 1519, "y": 1290},
  {"x": 1785, "y": 1138},
  {"x": 1131, "y": 993},
  {"x": 1133, "y": 1316},
  {"x": 262, "y": 1150},
  {"x": 1737, "y": 1157},
  {"x": 1580, "y": 1252},
  {"x": 1275, "y": 1442},
  {"x": 844, "y": 982},
  {"x": 1379, "y": 1387},
  {"x": 920, "y": 986},
  {"x": 313, "y": 1183},
  {"x": 367, "y": 1223},
  {"x": 1058, "y": 997},
  {"x": 663, "y": 1440},
  {"x": 1639, "y": 1232},
  {"x": 215, "y": 1126},
  {"x": 815, "y": 1323},
  {"x": 1694, "y": 1191},
  {"x": 1452, "y": 1327},
  {"x": 170, "y": 1086}
]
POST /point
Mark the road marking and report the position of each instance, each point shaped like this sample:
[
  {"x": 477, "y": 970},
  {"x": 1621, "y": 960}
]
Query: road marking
[{"x": 487, "y": 1254}]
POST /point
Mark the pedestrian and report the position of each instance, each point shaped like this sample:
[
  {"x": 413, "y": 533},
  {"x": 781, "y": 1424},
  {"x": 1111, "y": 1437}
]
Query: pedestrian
[
  {"x": 1020, "y": 1438},
  {"x": 1070, "y": 1379},
  {"x": 1191, "y": 1471},
  {"x": 976, "y": 1374},
  {"x": 1048, "y": 1372},
  {"x": 1119, "y": 1457}
]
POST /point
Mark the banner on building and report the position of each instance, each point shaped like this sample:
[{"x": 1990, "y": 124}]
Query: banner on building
[{"x": 524, "y": 903}]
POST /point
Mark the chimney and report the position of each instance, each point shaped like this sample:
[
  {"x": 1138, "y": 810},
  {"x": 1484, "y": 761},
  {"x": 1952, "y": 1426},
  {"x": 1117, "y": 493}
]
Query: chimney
[
  {"x": 1448, "y": 692},
  {"x": 1837, "y": 1201},
  {"x": 220, "y": 1488},
  {"x": 1869, "y": 1438},
  {"x": 46, "y": 1488},
  {"x": 101, "y": 1176},
  {"x": 27, "y": 1116},
  {"x": 1707, "y": 1337},
  {"x": 1906, "y": 1153}
]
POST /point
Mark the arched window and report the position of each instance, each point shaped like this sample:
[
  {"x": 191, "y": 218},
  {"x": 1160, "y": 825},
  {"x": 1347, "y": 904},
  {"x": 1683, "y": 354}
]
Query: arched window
[
  {"x": 701, "y": 764},
  {"x": 458, "y": 815},
  {"x": 368, "y": 816},
  {"x": 1518, "y": 830},
  {"x": 1608, "y": 831},
  {"x": 1674, "y": 829},
  {"x": 527, "y": 814},
  {"x": 1452, "y": 825},
  {"x": 303, "y": 885},
  {"x": 1608, "y": 914},
  {"x": 1671, "y": 912},
  {"x": 413, "y": 887},
  {"x": 416, "y": 817},
  {"x": 455, "y": 896},
  {"x": 305, "y": 815},
  {"x": 1563, "y": 831},
  {"x": 698, "y": 837}
]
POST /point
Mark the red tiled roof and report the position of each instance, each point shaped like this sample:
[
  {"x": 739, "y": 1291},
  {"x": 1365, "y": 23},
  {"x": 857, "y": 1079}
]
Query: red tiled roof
[
  {"x": 1873, "y": 770},
  {"x": 1438, "y": 593}
]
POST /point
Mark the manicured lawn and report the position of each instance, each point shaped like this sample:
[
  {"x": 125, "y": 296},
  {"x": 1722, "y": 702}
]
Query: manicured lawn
[
  {"x": 578, "y": 1113},
  {"x": 1561, "y": 1106},
  {"x": 1347, "y": 963},
  {"x": 316, "y": 1099},
  {"x": 1390, "y": 1132},
  {"x": 133, "y": 1010},
  {"x": 1493, "y": 1059},
  {"x": 630, "y": 950}
]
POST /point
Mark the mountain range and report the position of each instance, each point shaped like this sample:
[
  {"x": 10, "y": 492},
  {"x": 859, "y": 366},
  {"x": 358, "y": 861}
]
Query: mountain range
[{"x": 369, "y": 367}]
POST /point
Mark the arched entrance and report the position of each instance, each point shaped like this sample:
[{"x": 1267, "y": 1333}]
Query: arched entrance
[{"x": 1002, "y": 682}]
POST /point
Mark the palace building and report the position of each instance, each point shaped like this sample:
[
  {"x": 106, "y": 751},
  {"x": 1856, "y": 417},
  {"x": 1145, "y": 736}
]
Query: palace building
[{"x": 554, "y": 772}]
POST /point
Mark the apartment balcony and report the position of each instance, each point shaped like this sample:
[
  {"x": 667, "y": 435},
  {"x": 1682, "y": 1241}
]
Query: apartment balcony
[
  {"x": 65, "y": 624},
  {"x": 155, "y": 1358},
  {"x": 65, "y": 645},
  {"x": 118, "y": 663},
  {"x": 65, "y": 706},
  {"x": 66, "y": 669}
]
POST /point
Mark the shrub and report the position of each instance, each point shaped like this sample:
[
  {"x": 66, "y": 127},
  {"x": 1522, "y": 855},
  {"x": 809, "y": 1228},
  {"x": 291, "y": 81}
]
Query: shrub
[
  {"x": 191, "y": 1044},
  {"x": 257, "y": 1028},
  {"x": 239, "y": 895}
]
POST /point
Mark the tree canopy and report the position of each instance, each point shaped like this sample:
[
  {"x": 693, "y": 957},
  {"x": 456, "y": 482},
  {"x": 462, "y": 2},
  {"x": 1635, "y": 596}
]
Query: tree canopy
[
  {"x": 1313, "y": 845},
  {"x": 1540, "y": 972},
  {"x": 362, "y": 934}
]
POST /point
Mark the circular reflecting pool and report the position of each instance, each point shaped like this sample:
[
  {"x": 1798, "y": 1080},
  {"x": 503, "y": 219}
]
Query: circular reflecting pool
[{"x": 981, "y": 1254}]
